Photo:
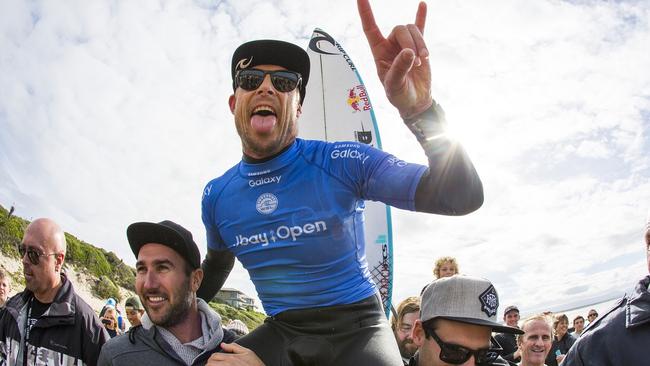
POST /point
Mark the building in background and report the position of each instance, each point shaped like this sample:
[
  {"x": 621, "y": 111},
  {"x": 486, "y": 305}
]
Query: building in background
[{"x": 235, "y": 298}]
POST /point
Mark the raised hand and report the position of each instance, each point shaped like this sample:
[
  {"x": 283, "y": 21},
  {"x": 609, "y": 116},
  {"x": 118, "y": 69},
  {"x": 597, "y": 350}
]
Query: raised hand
[{"x": 402, "y": 61}]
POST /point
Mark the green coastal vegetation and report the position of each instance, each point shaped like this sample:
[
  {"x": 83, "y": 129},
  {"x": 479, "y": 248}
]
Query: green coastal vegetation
[{"x": 108, "y": 270}]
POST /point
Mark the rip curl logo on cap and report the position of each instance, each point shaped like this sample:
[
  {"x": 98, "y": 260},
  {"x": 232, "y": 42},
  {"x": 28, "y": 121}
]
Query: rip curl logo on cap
[
  {"x": 489, "y": 301},
  {"x": 266, "y": 203},
  {"x": 243, "y": 64}
]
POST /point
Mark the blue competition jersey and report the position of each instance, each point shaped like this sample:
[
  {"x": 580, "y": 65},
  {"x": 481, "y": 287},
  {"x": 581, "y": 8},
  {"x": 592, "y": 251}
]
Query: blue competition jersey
[{"x": 296, "y": 221}]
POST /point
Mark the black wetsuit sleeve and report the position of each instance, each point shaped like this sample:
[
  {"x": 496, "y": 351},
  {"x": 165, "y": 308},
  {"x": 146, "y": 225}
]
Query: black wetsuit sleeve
[
  {"x": 216, "y": 268},
  {"x": 451, "y": 185}
]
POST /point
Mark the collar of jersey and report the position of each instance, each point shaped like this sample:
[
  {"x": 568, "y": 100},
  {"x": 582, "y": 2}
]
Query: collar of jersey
[{"x": 249, "y": 170}]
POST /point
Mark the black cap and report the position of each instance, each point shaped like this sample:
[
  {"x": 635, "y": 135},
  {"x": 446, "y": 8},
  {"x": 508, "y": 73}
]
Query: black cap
[
  {"x": 167, "y": 233},
  {"x": 272, "y": 52}
]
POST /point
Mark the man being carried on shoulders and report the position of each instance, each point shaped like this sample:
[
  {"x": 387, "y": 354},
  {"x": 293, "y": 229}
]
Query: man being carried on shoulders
[{"x": 299, "y": 232}]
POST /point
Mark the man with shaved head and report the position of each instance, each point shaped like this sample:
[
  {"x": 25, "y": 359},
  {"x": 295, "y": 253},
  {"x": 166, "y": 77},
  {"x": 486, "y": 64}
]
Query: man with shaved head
[{"x": 48, "y": 322}]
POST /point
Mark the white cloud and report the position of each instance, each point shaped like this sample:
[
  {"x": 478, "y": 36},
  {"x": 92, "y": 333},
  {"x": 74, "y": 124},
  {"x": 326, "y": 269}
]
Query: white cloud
[{"x": 112, "y": 113}]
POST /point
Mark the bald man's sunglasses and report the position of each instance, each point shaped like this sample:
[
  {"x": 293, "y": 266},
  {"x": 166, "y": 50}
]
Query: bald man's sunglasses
[
  {"x": 283, "y": 81},
  {"x": 457, "y": 355},
  {"x": 32, "y": 254}
]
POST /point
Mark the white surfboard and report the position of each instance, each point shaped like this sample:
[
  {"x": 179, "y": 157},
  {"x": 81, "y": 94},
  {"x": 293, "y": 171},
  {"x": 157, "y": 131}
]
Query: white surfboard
[{"x": 338, "y": 108}]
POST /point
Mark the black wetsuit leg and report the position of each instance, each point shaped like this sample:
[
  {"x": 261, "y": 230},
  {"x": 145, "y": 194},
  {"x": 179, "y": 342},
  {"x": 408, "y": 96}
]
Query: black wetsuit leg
[{"x": 355, "y": 334}]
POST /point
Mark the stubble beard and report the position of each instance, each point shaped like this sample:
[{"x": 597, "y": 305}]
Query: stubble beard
[
  {"x": 407, "y": 348},
  {"x": 284, "y": 133},
  {"x": 178, "y": 312}
]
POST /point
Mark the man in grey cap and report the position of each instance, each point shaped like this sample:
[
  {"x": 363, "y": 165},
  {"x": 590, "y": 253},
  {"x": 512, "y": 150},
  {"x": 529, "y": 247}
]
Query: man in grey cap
[
  {"x": 457, "y": 318},
  {"x": 622, "y": 335}
]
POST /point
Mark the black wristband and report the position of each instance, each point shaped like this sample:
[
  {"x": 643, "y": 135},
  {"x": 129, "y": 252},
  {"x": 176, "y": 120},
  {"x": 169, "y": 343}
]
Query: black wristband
[{"x": 428, "y": 124}]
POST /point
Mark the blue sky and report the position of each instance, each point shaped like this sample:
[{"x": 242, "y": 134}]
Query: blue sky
[{"x": 115, "y": 112}]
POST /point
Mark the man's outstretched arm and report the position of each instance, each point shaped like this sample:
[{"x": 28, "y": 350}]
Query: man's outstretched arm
[
  {"x": 216, "y": 268},
  {"x": 451, "y": 185}
]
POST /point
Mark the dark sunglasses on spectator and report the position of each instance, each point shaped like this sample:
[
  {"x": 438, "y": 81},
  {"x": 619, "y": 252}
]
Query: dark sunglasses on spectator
[
  {"x": 32, "y": 254},
  {"x": 283, "y": 80},
  {"x": 456, "y": 354},
  {"x": 592, "y": 314}
]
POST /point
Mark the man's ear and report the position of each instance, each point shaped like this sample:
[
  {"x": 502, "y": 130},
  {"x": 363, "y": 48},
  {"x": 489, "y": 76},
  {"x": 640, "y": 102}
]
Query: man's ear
[
  {"x": 197, "y": 278},
  {"x": 59, "y": 259},
  {"x": 231, "y": 103},
  {"x": 418, "y": 333},
  {"x": 299, "y": 111}
]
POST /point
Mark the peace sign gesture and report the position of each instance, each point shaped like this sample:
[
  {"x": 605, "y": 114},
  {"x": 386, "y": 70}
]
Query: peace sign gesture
[{"x": 402, "y": 61}]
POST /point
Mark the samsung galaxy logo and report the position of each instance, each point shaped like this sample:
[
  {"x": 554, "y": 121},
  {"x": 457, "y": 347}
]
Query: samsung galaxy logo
[
  {"x": 263, "y": 181},
  {"x": 255, "y": 174},
  {"x": 349, "y": 154},
  {"x": 207, "y": 190}
]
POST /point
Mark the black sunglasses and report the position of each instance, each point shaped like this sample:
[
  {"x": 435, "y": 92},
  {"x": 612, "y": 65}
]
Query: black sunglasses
[
  {"x": 283, "y": 81},
  {"x": 457, "y": 355},
  {"x": 592, "y": 314},
  {"x": 32, "y": 254}
]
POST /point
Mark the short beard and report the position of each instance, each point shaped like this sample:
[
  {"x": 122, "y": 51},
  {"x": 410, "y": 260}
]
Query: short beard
[
  {"x": 406, "y": 352},
  {"x": 180, "y": 311},
  {"x": 286, "y": 120}
]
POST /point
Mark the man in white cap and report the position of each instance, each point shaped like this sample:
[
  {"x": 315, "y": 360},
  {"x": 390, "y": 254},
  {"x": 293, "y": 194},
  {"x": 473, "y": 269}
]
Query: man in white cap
[
  {"x": 457, "y": 318},
  {"x": 622, "y": 335}
]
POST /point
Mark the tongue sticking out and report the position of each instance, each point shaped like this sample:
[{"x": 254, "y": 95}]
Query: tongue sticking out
[{"x": 263, "y": 124}]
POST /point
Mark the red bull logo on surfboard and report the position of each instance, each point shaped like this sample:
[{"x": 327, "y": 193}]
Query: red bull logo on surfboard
[{"x": 358, "y": 99}]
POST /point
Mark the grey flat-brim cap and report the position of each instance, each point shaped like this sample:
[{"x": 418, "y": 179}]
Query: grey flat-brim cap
[{"x": 465, "y": 299}]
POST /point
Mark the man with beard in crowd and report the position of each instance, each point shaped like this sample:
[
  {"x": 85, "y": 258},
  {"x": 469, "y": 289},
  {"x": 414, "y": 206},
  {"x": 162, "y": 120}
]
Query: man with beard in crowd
[
  {"x": 408, "y": 312},
  {"x": 177, "y": 328}
]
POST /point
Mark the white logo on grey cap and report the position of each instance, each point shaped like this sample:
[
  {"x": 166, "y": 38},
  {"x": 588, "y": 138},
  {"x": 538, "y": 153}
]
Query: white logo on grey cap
[
  {"x": 242, "y": 64},
  {"x": 489, "y": 301}
]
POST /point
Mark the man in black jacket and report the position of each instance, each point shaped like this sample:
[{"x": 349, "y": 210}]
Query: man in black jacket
[
  {"x": 457, "y": 318},
  {"x": 48, "y": 322},
  {"x": 178, "y": 328},
  {"x": 508, "y": 341},
  {"x": 621, "y": 336}
]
